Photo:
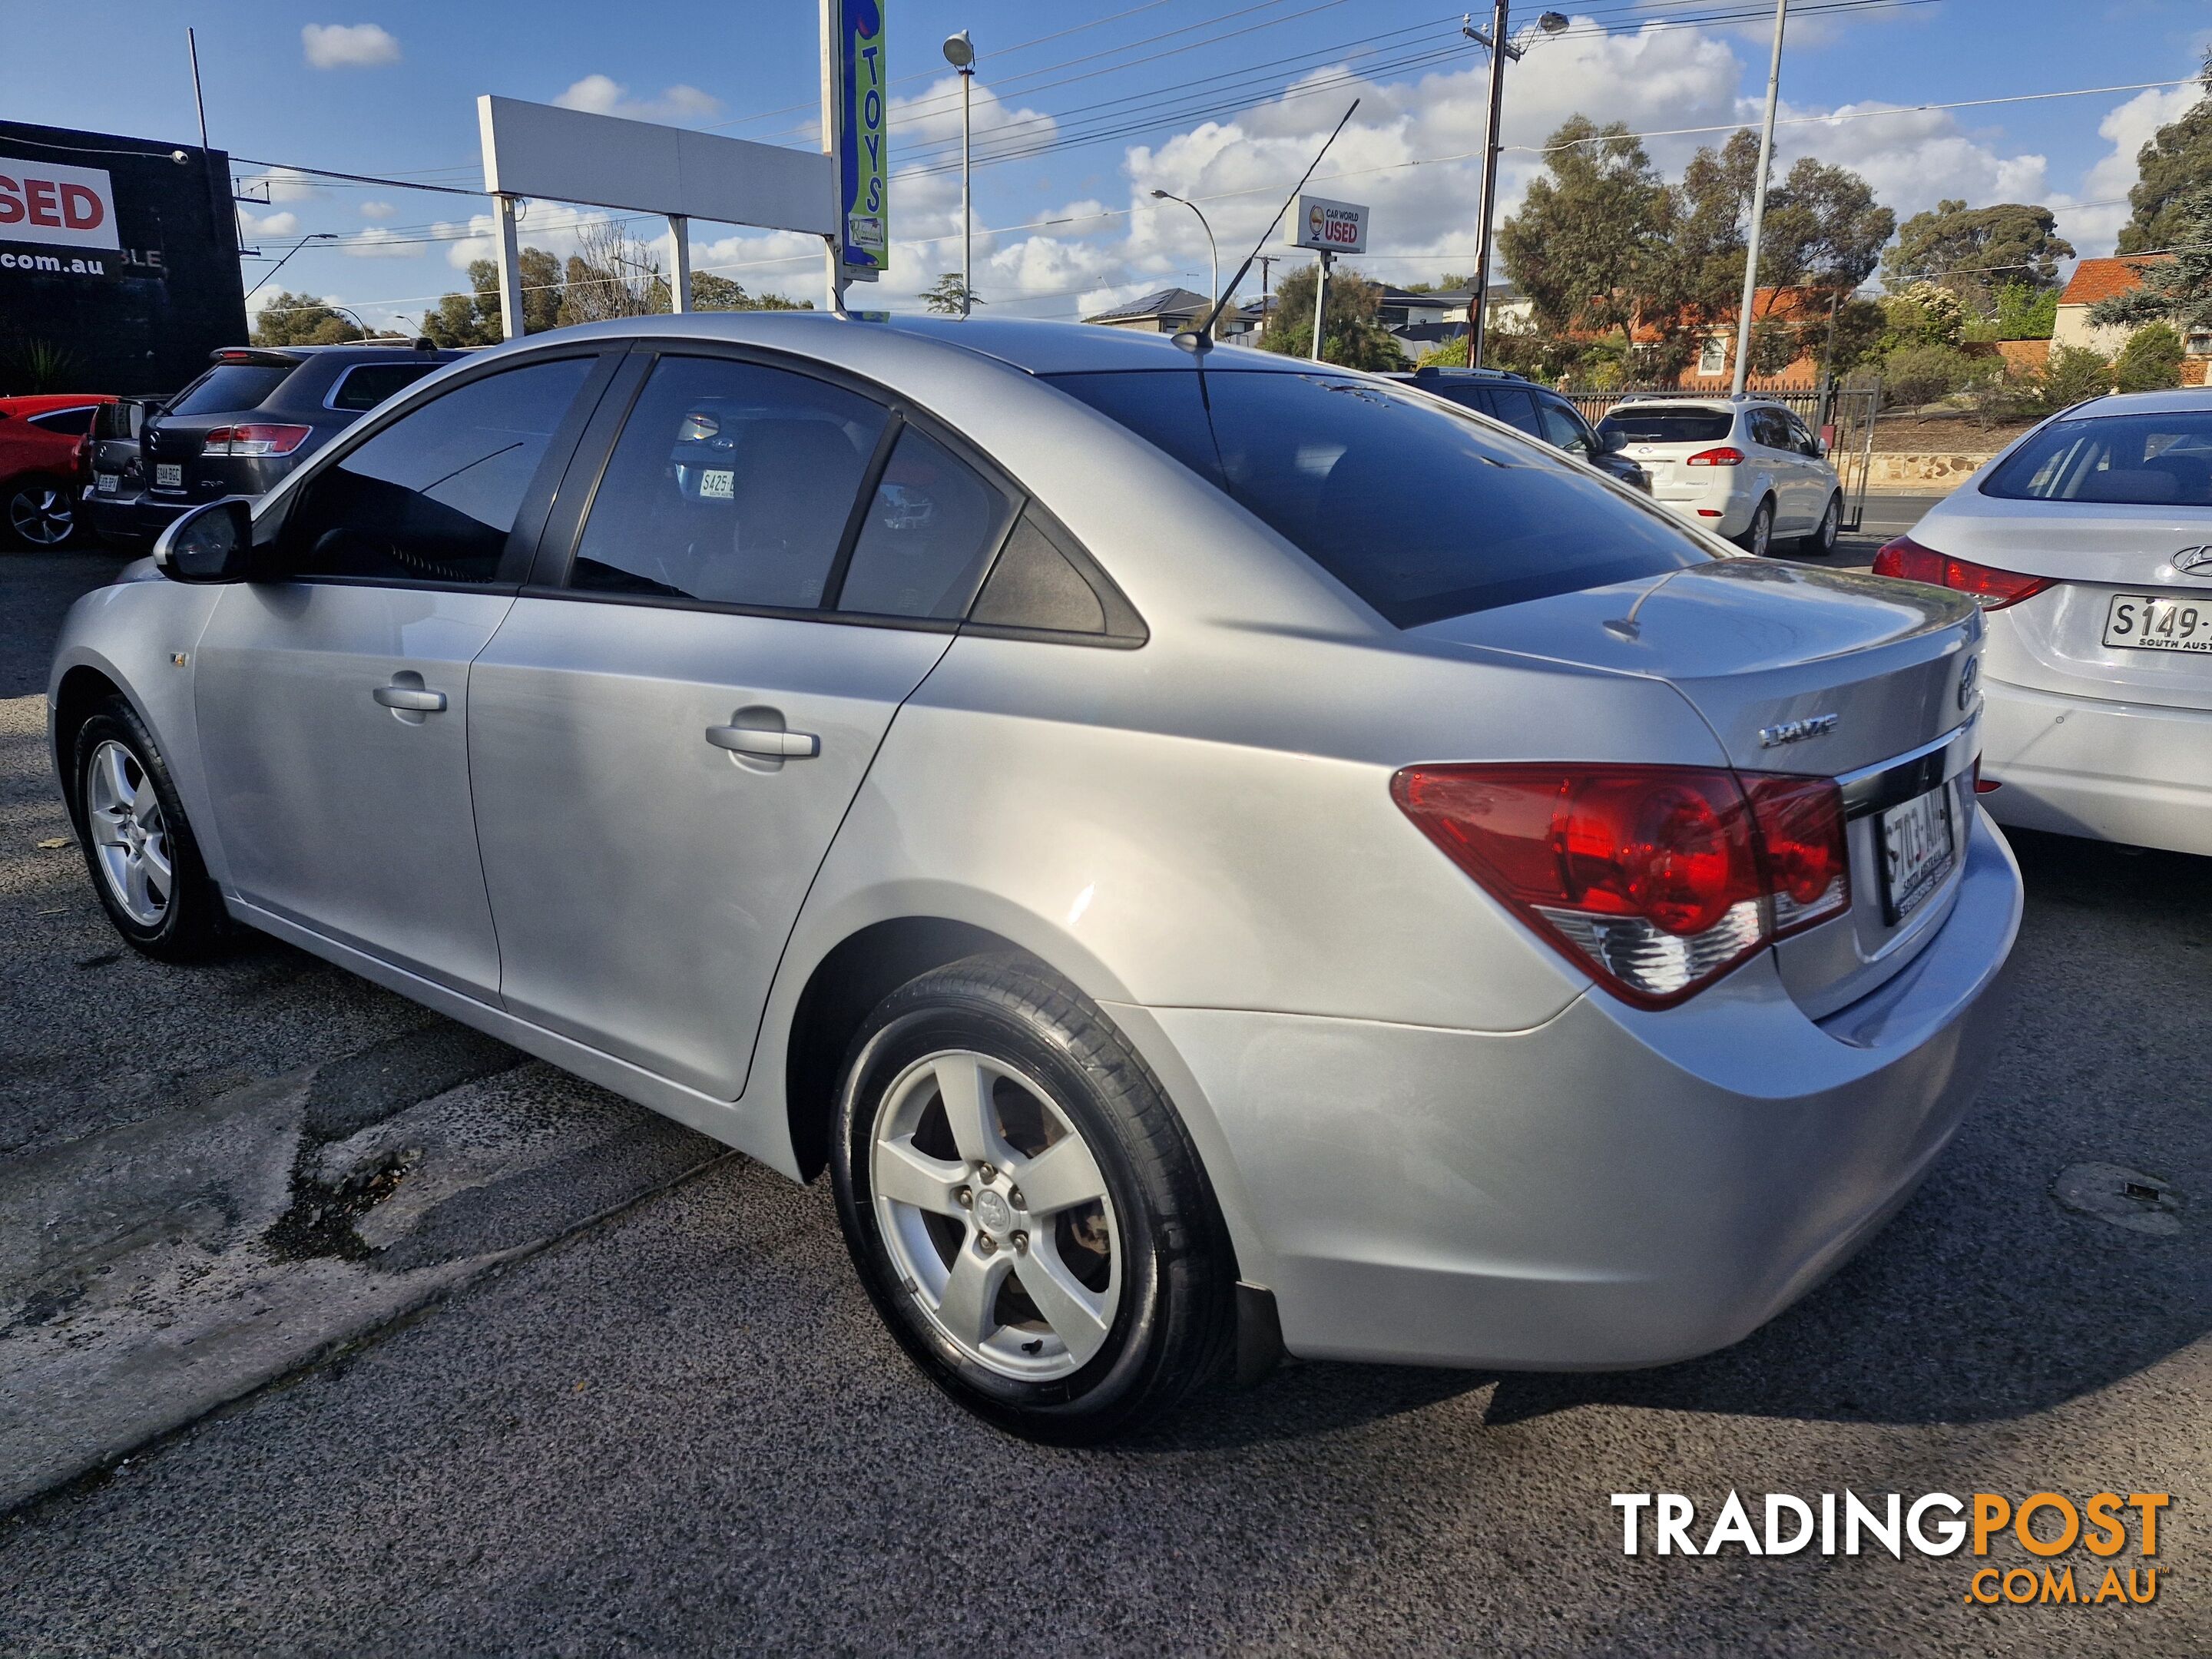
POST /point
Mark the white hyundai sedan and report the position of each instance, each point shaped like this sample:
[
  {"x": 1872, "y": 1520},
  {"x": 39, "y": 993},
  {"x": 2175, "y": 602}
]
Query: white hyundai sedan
[{"x": 2088, "y": 544}]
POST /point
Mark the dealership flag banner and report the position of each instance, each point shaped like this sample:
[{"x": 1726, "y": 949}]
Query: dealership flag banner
[{"x": 865, "y": 249}]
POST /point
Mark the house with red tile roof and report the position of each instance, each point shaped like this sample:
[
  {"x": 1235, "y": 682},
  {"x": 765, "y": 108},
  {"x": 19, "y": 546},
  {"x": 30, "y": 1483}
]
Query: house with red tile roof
[{"x": 2105, "y": 279}]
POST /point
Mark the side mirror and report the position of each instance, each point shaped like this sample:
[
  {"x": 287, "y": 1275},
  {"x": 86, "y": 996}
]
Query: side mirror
[
  {"x": 211, "y": 543},
  {"x": 1613, "y": 442}
]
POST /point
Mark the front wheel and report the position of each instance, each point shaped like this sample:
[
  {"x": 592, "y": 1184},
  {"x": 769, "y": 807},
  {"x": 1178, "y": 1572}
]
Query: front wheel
[
  {"x": 1758, "y": 537},
  {"x": 1024, "y": 1207},
  {"x": 145, "y": 865},
  {"x": 41, "y": 513},
  {"x": 1822, "y": 541}
]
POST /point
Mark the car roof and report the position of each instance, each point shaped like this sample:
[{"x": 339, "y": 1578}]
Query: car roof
[
  {"x": 2179, "y": 400},
  {"x": 42, "y": 403}
]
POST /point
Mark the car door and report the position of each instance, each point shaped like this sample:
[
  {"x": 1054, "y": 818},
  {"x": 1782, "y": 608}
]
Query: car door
[
  {"x": 332, "y": 696},
  {"x": 1820, "y": 476},
  {"x": 1777, "y": 457},
  {"x": 669, "y": 725}
]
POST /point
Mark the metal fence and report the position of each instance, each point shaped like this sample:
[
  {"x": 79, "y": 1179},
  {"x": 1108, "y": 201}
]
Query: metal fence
[{"x": 1842, "y": 416}]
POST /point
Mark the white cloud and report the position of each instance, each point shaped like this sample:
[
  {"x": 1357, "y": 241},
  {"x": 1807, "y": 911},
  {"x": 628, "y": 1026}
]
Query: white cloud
[
  {"x": 377, "y": 209},
  {"x": 601, "y": 95},
  {"x": 348, "y": 46},
  {"x": 2093, "y": 228},
  {"x": 378, "y": 243},
  {"x": 279, "y": 185},
  {"x": 273, "y": 224}
]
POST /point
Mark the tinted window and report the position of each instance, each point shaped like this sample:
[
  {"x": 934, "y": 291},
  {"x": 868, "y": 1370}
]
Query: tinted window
[
  {"x": 1516, "y": 408},
  {"x": 1036, "y": 585},
  {"x": 228, "y": 388},
  {"x": 366, "y": 384},
  {"x": 1655, "y": 423},
  {"x": 2150, "y": 460},
  {"x": 1418, "y": 509},
  {"x": 1769, "y": 429},
  {"x": 1802, "y": 436},
  {"x": 732, "y": 483},
  {"x": 71, "y": 423},
  {"x": 432, "y": 496},
  {"x": 930, "y": 530},
  {"x": 1562, "y": 426}
]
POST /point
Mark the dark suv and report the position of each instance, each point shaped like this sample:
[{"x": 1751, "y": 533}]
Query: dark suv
[
  {"x": 1537, "y": 410},
  {"x": 257, "y": 413}
]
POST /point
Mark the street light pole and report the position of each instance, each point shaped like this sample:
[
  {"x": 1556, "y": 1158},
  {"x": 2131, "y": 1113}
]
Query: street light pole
[
  {"x": 1169, "y": 196},
  {"x": 960, "y": 52},
  {"x": 1501, "y": 48},
  {"x": 1758, "y": 207}
]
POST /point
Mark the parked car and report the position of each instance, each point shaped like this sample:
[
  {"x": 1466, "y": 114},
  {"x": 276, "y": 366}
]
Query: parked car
[
  {"x": 2088, "y": 542},
  {"x": 1537, "y": 410},
  {"x": 257, "y": 413},
  {"x": 1747, "y": 469},
  {"x": 41, "y": 463},
  {"x": 1191, "y": 896}
]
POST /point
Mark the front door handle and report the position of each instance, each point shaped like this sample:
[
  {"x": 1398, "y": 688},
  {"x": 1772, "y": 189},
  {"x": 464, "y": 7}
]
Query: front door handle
[
  {"x": 767, "y": 745},
  {"x": 411, "y": 697}
]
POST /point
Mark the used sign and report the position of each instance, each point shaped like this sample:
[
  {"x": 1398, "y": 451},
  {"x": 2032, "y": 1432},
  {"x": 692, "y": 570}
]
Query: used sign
[
  {"x": 1332, "y": 226},
  {"x": 64, "y": 206}
]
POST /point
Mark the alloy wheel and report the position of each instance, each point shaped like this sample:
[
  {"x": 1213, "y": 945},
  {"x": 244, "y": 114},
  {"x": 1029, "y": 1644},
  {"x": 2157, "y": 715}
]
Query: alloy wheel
[
  {"x": 996, "y": 1216},
  {"x": 1762, "y": 533},
  {"x": 41, "y": 516},
  {"x": 130, "y": 837}
]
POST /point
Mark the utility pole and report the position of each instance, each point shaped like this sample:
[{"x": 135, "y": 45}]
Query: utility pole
[
  {"x": 833, "y": 147},
  {"x": 960, "y": 52},
  {"x": 1759, "y": 208},
  {"x": 1501, "y": 48},
  {"x": 1320, "y": 301},
  {"x": 199, "y": 103}
]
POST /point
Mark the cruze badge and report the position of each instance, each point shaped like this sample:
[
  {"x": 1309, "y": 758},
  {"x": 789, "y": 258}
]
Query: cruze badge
[
  {"x": 1968, "y": 676},
  {"x": 1812, "y": 725},
  {"x": 2194, "y": 561}
]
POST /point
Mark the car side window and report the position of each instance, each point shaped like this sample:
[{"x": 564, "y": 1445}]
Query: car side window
[
  {"x": 71, "y": 423},
  {"x": 732, "y": 483},
  {"x": 433, "y": 496},
  {"x": 1563, "y": 428},
  {"x": 1768, "y": 427},
  {"x": 927, "y": 537},
  {"x": 1516, "y": 408},
  {"x": 1803, "y": 436}
]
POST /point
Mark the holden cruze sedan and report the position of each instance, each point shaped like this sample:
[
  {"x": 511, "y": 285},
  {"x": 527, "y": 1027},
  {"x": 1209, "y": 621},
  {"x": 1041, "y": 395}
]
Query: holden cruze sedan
[
  {"x": 1214, "y": 854},
  {"x": 2088, "y": 544}
]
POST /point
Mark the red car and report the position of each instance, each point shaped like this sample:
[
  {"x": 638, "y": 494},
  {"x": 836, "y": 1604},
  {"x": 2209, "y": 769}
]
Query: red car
[{"x": 42, "y": 463}]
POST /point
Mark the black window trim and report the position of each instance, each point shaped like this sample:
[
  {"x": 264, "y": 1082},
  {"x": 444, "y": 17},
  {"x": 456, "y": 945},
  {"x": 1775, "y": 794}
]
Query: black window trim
[
  {"x": 547, "y": 575},
  {"x": 538, "y": 501}
]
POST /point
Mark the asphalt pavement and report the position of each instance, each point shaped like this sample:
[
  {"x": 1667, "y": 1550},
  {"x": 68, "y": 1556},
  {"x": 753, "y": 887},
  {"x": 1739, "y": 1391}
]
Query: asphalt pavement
[{"x": 680, "y": 1429}]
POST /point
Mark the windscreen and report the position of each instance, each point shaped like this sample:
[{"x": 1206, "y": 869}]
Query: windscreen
[
  {"x": 229, "y": 387},
  {"x": 1420, "y": 510},
  {"x": 1658, "y": 424},
  {"x": 2142, "y": 460}
]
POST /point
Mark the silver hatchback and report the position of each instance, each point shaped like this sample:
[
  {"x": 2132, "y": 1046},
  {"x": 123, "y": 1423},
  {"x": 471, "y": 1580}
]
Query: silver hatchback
[{"x": 1213, "y": 854}]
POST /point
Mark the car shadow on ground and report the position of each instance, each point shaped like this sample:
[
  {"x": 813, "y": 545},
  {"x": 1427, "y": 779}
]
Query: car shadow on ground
[{"x": 1986, "y": 1298}]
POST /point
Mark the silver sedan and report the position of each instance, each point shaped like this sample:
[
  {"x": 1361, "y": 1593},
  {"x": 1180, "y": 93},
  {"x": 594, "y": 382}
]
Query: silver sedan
[{"x": 1214, "y": 855}]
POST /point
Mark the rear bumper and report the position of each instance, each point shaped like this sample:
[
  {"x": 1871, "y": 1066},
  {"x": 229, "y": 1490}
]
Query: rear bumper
[
  {"x": 1734, "y": 510},
  {"x": 1613, "y": 1188},
  {"x": 2130, "y": 772}
]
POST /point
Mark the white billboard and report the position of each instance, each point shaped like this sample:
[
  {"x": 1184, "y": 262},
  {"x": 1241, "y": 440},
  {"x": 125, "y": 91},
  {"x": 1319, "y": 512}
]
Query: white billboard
[
  {"x": 1330, "y": 227},
  {"x": 46, "y": 202}
]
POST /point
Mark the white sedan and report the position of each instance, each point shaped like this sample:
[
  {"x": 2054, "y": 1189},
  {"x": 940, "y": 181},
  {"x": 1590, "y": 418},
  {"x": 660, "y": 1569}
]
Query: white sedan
[{"x": 2089, "y": 544}]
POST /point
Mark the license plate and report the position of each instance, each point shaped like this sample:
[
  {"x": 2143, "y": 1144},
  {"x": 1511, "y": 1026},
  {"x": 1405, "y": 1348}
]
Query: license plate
[
  {"x": 2141, "y": 621},
  {"x": 169, "y": 475},
  {"x": 106, "y": 482},
  {"x": 1916, "y": 848}
]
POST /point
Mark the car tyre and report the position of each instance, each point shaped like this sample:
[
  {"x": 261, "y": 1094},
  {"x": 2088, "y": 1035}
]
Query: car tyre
[
  {"x": 1758, "y": 537},
  {"x": 41, "y": 513},
  {"x": 1822, "y": 541},
  {"x": 1080, "y": 1308},
  {"x": 139, "y": 848}
]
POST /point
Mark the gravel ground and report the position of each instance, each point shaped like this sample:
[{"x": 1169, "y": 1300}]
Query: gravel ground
[{"x": 683, "y": 1431}]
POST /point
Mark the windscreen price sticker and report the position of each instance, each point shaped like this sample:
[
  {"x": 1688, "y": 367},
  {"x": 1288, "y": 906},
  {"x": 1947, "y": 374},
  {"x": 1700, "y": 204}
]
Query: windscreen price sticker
[{"x": 1331, "y": 227}]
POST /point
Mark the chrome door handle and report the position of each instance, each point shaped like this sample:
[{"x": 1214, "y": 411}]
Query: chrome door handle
[
  {"x": 771, "y": 745},
  {"x": 411, "y": 697}
]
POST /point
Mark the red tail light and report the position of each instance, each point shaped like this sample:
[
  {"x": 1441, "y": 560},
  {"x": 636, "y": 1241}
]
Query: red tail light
[
  {"x": 1655, "y": 879},
  {"x": 256, "y": 440},
  {"x": 1726, "y": 455},
  {"x": 1992, "y": 589}
]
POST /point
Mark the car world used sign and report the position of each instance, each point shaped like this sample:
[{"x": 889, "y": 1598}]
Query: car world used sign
[
  {"x": 58, "y": 220},
  {"x": 1331, "y": 227}
]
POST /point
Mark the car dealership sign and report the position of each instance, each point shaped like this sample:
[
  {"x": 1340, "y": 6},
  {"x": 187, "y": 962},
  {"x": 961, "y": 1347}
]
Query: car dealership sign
[
  {"x": 62, "y": 206},
  {"x": 1330, "y": 227}
]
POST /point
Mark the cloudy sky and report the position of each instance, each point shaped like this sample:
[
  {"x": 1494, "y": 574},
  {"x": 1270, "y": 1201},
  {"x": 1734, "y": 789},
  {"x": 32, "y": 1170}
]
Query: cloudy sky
[{"x": 1083, "y": 107}]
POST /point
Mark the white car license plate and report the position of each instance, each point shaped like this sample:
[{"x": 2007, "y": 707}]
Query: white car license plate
[
  {"x": 169, "y": 475},
  {"x": 106, "y": 482},
  {"x": 2139, "y": 621},
  {"x": 1915, "y": 847}
]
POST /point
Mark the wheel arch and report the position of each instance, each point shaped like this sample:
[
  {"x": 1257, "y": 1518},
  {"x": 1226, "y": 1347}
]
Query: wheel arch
[{"x": 82, "y": 690}]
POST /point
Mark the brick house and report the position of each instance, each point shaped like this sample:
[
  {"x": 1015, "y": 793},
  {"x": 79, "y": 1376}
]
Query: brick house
[{"x": 2105, "y": 279}]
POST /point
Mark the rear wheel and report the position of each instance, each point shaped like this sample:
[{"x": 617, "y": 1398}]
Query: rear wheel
[
  {"x": 1024, "y": 1207},
  {"x": 145, "y": 865},
  {"x": 40, "y": 513},
  {"x": 1758, "y": 537},
  {"x": 1822, "y": 541}
]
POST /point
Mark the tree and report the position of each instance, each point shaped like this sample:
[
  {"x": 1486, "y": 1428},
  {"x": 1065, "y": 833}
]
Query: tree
[
  {"x": 1924, "y": 315},
  {"x": 1975, "y": 251},
  {"x": 1823, "y": 229},
  {"x": 712, "y": 293},
  {"x": 2026, "y": 314},
  {"x": 303, "y": 320},
  {"x": 473, "y": 319},
  {"x": 948, "y": 296},
  {"x": 2073, "y": 374},
  {"x": 2150, "y": 361},
  {"x": 1589, "y": 247},
  {"x": 610, "y": 275},
  {"x": 1352, "y": 335},
  {"x": 2178, "y": 289},
  {"x": 2176, "y": 161}
]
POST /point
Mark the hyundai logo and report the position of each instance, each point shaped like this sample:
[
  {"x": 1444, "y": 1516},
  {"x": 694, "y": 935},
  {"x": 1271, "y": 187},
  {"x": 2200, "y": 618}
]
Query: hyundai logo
[{"x": 2194, "y": 561}]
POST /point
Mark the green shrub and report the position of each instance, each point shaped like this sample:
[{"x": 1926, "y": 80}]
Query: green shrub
[
  {"x": 2072, "y": 373},
  {"x": 2025, "y": 313},
  {"x": 1916, "y": 374},
  {"x": 2151, "y": 360}
]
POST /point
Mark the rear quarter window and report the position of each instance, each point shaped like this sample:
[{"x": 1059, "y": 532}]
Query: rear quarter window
[
  {"x": 366, "y": 384},
  {"x": 1419, "y": 510}
]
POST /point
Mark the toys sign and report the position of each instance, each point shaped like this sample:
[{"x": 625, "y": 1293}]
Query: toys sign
[{"x": 1330, "y": 227}]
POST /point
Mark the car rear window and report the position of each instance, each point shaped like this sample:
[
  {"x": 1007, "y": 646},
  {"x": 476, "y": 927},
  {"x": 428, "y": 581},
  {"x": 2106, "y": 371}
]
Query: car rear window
[
  {"x": 1421, "y": 511},
  {"x": 228, "y": 388},
  {"x": 366, "y": 384},
  {"x": 1638, "y": 425},
  {"x": 2141, "y": 460}
]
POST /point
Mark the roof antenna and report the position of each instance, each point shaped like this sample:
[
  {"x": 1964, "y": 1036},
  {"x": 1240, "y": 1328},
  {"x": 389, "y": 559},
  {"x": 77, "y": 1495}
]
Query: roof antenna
[{"x": 1198, "y": 341}]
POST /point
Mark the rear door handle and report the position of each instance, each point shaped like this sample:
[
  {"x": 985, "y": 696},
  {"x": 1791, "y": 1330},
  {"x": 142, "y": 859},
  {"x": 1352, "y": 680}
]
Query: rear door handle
[
  {"x": 769, "y": 745},
  {"x": 411, "y": 697}
]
